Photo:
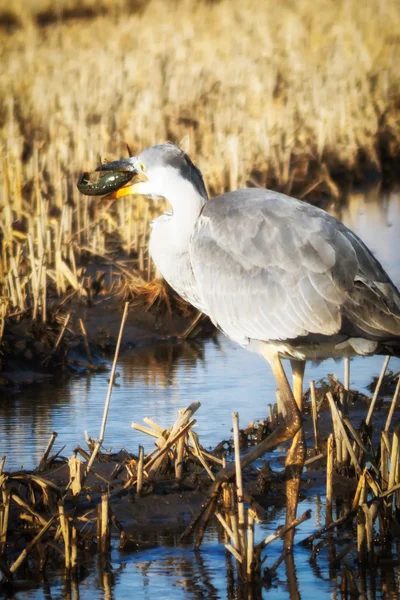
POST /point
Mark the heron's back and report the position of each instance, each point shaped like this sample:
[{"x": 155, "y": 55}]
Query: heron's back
[{"x": 269, "y": 267}]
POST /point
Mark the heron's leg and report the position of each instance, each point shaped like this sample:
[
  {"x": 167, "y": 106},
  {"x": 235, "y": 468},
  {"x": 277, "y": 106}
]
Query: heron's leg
[
  {"x": 289, "y": 425},
  {"x": 296, "y": 455}
]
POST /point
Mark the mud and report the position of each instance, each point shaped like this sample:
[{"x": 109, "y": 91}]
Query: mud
[{"x": 29, "y": 353}]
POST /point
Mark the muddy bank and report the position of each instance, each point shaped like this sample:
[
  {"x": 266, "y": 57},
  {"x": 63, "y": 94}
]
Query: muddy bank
[{"x": 81, "y": 332}]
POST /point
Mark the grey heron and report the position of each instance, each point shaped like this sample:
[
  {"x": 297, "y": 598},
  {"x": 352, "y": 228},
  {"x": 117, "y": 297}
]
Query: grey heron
[{"x": 279, "y": 276}]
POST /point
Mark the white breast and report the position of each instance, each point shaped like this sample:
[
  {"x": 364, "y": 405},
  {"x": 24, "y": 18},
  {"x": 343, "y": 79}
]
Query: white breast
[{"x": 171, "y": 258}]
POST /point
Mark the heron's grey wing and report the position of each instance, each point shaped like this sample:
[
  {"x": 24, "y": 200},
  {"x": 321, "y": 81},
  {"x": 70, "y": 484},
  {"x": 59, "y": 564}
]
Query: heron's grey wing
[{"x": 270, "y": 267}]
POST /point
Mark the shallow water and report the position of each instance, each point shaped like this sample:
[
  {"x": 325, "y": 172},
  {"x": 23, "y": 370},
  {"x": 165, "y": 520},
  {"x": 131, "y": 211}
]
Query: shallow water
[{"x": 157, "y": 382}]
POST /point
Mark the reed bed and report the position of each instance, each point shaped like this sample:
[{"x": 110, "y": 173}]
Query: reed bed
[{"x": 290, "y": 95}]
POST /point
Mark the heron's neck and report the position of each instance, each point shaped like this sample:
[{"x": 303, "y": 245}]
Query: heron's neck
[{"x": 186, "y": 202}]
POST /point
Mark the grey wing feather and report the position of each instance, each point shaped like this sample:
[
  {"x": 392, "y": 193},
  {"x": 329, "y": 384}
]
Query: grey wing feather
[{"x": 270, "y": 267}]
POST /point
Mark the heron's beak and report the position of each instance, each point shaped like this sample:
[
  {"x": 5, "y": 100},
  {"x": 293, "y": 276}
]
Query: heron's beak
[
  {"x": 117, "y": 179},
  {"x": 126, "y": 166}
]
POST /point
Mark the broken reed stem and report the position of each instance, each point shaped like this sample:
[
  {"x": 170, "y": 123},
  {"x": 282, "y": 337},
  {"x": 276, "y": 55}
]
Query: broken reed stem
[
  {"x": 179, "y": 458},
  {"x": 154, "y": 425},
  {"x": 359, "y": 496},
  {"x": 108, "y": 398},
  {"x": 182, "y": 420},
  {"x": 369, "y": 530},
  {"x": 282, "y": 531},
  {"x": 104, "y": 540},
  {"x": 336, "y": 417},
  {"x": 329, "y": 481},
  {"x": 4, "y": 514},
  {"x": 139, "y": 483},
  {"x": 170, "y": 443},
  {"x": 65, "y": 533},
  {"x": 28, "y": 549},
  {"x": 361, "y": 535},
  {"x": 250, "y": 545},
  {"x": 376, "y": 392},
  {"x": 225, "y": 525},
  {"x": 347, "y": 373},
  {"x": 239, "y": 484},
  {"x": 43, "y": 461},
  {"x": 61, "y": 335},
  {"x": 384, "y": 467},
  {"x": 203, "y": 525},
  {"x": 198, "y": 454},
  {"x": 314, "y": 414},
  {"x": 86, "y": 341},
  {"x": 392, "y": 405},
  {"x": 394, "y": 457},
  {"x": 74, "y": 549}
]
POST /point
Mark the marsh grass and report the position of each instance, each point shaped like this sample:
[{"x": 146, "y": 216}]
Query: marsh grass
[{"x": 289, "y": 94}]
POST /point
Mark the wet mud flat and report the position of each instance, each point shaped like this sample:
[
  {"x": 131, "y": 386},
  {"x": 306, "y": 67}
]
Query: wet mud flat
[
  {"x": 81, "y": 330},
  {"x": 55, "y": 518}
]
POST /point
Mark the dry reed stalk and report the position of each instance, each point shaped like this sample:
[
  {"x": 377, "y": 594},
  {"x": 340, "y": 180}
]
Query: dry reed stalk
[
  {"x": 44, "y": 292},
  {"x": 369, "y": 530},
  {"x": 336, "y": 417},
  {"x": 376, "y": 391},
  {"x": 154, "y": 425},
  {"x": 4, "y": 515},
  {"x": 66, "y": 535},
  {"x": 314, "y": 414},
  {"x": 139, "y": 483},
  {"x": 282, "y": 531},
  {"x": 61, "y": 334},
  {"x": 308, "y": 540},
  {"x": 74, "y": 549},
  {"x": 108, "y": 398},
  {"x": 361, "y": 536},
  {"x": 43, "y": 461},
  {"x": 239, "y": 484},
  {"x": 199, "y": 455},
  {"x": 394, "y": 457},
  {"x": 146, "y": 430},
  {"x": 234, "y": 552},
  {"x": 384, "y": 467},
  {"x": 104, "y": 540},
  {"x": 225, "y": 525},
  {"x": 180, "y": 452},
  {"x": 75, "y": 475},
  {"x": 233, "y": 517},
  {"x": 393, "y": 405},
  {"x": 182, "y": 420},
  {"x": 250, "y": 546},
  {"x": 210, "y": 511},
  {"x": 360, "y": 494},
  {"x": 329, "y": 480},
  {"x": 343, "y": 414},
  {"x": 38, "y": 517},
  {"x": 153, "y": 465},
  {"x": 28, "y": 549},
  {"x": 86, "y": 342}
]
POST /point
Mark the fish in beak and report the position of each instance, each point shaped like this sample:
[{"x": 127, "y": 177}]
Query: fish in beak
[{"x": 113, "y": 179}]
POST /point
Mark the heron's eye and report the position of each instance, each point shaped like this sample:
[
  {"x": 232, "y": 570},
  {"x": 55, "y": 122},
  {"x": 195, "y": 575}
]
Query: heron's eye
[{"x": 142, "y": 167}]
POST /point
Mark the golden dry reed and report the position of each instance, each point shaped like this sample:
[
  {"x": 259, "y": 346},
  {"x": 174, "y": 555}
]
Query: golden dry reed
[{"x": 255, "y": 86}]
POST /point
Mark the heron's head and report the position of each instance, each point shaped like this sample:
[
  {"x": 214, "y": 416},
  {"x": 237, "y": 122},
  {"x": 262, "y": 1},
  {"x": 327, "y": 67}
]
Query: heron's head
[{"x": 157, "y": 171}]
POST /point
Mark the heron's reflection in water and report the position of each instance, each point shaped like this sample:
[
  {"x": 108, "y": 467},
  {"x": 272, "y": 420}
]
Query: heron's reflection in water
[{"x": 159, "y": 365}]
